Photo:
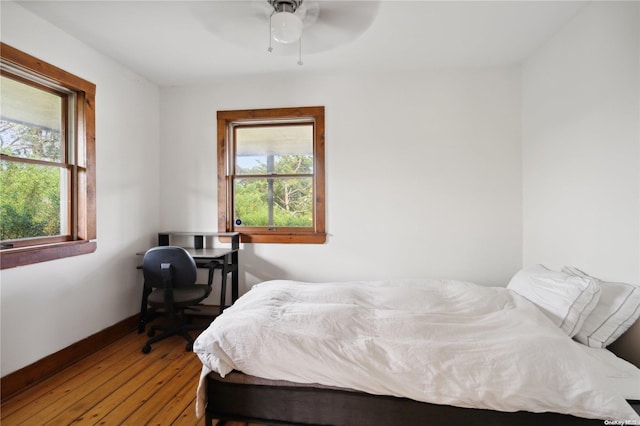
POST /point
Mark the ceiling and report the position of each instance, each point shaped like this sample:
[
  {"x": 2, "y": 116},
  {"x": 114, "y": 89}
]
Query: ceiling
[{"x": 189, "y": 42}]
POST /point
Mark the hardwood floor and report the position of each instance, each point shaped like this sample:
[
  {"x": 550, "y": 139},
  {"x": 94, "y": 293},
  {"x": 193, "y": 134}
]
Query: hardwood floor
[{"x": 118, "y": 385}]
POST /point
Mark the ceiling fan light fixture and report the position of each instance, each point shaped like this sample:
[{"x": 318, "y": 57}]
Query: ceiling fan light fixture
[{"x": 286, "y": 27}]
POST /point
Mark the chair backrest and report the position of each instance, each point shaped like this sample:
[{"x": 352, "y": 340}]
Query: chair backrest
[{"x": 183, "y": 267}]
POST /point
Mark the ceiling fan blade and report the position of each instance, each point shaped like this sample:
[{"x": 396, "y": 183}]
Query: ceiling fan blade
[{"x": 327, "y": 24}]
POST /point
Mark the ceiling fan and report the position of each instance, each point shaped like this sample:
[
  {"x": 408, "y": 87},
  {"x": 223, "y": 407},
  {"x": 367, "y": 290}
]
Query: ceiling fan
[{"x": 322, "y": 25}]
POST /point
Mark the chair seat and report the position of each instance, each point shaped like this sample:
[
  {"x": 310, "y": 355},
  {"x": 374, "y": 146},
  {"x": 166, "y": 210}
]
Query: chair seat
[{"x": 182, "y": 297}]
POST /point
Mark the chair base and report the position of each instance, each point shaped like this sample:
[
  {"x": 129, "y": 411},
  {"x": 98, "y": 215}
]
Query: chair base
[{"x": 181, "y": 328}]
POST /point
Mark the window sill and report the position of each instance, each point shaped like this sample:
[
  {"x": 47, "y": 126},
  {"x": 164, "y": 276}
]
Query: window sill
[
  {"x": 10, "y": 258},
  {"x": 292, "y": 238}
]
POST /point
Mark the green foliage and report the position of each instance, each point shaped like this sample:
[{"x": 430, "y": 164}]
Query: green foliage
[
  {"x": 29, "y": 193},
  {"x": 292, "y": 196},
  {"x": 29, "y": 200}
]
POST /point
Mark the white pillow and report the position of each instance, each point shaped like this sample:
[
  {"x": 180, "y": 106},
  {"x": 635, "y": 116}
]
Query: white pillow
[
  {"x": 617, "y": 310},
  {"x": 565, "y": 298}
]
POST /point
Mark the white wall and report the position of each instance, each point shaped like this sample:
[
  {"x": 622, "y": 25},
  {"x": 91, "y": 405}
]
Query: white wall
[
  {"x": 48, "y": 306},
  {"x": 423, "y": 173},
  {"x": 581, "y": 145}
]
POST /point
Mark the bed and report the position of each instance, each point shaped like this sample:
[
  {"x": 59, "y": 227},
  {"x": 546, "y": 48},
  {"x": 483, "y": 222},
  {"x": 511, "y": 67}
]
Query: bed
[{"x": 408, "y": 351}]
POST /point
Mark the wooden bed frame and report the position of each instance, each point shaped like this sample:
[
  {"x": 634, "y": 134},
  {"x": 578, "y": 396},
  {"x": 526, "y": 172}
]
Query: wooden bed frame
[{"x": 240, "y": 397}]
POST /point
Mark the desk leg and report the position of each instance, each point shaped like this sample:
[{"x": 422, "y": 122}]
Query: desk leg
[
  {"x": 223, "y": 284},
  {"x": 234, "y": 276}
]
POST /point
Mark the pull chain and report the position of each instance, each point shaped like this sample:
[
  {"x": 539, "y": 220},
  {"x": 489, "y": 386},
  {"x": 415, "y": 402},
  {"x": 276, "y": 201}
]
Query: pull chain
[
  {"x": 270, "y": 49},
  {"x": 300, "y": 51}
]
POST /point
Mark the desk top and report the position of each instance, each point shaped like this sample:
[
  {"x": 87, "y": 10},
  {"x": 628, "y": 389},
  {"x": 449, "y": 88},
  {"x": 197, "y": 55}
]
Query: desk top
[
  {"x": 202, "y": 234},
  {"x": 204, "y": 253}
]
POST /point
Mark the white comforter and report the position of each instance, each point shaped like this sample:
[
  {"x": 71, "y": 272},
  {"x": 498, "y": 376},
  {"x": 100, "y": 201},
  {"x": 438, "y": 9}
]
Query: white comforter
[{"x": 444, "y": 342}]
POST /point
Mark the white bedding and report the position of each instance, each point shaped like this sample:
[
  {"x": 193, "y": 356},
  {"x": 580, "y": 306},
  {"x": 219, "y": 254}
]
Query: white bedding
[{"x": 444, "y": 342}]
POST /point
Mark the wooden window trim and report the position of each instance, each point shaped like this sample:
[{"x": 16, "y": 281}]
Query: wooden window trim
[
  {"x": 225, "y": 214},
  {"x": 84, "y": 234}
]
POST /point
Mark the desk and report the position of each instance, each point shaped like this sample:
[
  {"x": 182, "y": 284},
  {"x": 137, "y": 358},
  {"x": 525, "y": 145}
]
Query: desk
[{"x": 223, "y": 258}]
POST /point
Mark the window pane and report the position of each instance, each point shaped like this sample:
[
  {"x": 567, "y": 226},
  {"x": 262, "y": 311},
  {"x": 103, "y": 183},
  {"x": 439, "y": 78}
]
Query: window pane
[
  {"x": 286, "y": 149},
  {"x": 31, "y": 121},
  {"x": 273, "y": 202},
  {"x": 31, "y": 204}
]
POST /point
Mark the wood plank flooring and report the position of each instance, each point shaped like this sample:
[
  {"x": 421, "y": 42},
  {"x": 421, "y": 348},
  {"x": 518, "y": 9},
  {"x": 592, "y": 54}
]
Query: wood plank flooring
[{"x": 117, "y": 385}]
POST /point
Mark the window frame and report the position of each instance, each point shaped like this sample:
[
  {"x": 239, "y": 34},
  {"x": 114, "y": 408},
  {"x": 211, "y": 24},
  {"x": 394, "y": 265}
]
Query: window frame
[
  {"x": 227, "y": 122},
  {"x": 82, "y": 230}
]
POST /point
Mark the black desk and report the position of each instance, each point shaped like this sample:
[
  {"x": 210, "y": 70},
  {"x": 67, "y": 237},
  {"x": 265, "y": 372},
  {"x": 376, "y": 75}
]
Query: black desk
[{"x": 223, "y": 258}]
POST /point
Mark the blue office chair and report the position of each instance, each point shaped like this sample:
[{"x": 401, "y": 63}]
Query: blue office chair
[{"x": 170, "y": 276}]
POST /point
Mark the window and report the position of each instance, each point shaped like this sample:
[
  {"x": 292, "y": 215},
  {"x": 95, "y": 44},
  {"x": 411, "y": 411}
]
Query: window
[
  {"x": 271, "y": 174},
  {"x": 47, "y": 161}
]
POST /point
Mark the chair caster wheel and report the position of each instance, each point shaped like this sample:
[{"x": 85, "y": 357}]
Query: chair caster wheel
[
  {"x": 189, "y": 347},
  {"x": 146, "y": 349}
]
